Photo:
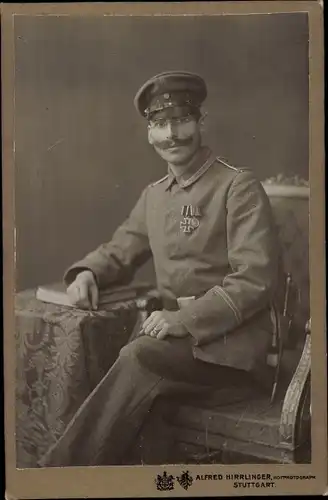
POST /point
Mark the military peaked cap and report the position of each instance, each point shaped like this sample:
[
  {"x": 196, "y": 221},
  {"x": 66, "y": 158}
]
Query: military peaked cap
[{"x": 168, "y": 90}]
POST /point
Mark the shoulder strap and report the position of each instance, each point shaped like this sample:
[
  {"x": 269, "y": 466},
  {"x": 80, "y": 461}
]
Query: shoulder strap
[
  {"x": 160, "y": 180},
  {"x": 230, "y": 166}
]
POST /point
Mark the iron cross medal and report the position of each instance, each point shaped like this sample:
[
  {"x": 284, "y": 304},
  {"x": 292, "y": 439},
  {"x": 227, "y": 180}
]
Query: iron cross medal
[{"x": 190, "y": 221}]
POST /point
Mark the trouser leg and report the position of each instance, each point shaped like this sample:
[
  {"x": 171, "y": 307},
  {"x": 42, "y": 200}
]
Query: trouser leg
[{"x": 111, "y": 416}]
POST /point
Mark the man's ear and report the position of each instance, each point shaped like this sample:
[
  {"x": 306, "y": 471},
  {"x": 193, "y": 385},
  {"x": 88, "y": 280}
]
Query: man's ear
[{"x": 150, "y": 136}]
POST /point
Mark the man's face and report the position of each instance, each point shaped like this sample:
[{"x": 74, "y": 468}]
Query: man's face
[{"x": 175, "y": 135}]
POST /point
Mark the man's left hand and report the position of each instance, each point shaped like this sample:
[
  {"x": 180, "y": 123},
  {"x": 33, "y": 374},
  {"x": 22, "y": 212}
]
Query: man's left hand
[{"x": 160, "y": 324}]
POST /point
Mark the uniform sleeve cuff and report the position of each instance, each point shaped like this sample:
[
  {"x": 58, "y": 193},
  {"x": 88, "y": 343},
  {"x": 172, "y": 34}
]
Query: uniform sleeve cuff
[
  {"x": 72, "y": 272},
  {"x": 211, "y": 316}
]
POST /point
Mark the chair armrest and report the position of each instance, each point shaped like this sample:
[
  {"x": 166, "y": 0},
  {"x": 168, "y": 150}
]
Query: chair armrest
[
  {"x": 145, "y": 301},
  {"x": 282, "y": 315},
  {"x": 296, "y": 404},
  {"x": 149, "y": 302},
  {"x": 145, "y": 305}
]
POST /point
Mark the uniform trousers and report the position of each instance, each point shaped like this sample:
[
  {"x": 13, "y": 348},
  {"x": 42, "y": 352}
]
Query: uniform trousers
[{"x": 112, "y": 415}]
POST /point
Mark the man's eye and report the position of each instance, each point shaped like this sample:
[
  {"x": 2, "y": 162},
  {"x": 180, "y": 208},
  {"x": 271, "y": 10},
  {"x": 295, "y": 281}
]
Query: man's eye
[
  {"x": 159, "y": 124},
  {"x": 181, "y": 121},
  {"x": 186, "y": 119}
]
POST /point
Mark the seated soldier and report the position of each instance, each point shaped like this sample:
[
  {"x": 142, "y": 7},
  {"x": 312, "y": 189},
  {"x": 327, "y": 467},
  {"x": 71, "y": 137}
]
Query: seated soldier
[{"x": 210, "y": 231}]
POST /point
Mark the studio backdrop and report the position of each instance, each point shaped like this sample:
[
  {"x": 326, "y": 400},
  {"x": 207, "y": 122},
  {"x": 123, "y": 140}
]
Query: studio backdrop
[{"x": 81, "y": 150}]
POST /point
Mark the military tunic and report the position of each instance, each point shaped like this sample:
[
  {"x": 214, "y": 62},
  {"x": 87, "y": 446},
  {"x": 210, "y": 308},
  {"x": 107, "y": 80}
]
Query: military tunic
[{"x": 212, "y": 236}]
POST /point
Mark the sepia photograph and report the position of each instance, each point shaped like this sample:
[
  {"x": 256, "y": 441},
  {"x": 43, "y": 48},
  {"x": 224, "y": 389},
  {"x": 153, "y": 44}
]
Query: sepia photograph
[{"x": 162, "y": 244}]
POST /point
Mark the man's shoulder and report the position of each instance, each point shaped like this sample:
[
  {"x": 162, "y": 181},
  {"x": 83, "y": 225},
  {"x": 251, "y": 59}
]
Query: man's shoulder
[
  {"x": 227, "y": 166},
  {"x": 159, "y": 181},
  {"x": 228, "y": 174}
]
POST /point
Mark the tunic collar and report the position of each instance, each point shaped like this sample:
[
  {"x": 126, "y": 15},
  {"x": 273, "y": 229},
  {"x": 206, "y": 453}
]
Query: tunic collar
[{"x": 204, "y": 159}]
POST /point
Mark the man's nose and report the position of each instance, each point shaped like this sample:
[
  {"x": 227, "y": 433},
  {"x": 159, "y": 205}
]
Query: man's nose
[{"x": 171, "y": 130}]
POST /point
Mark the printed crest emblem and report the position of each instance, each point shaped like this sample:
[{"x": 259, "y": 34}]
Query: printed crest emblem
[
  {"x": 164, "y": 482},
  {"x": 185, "y": 480}
]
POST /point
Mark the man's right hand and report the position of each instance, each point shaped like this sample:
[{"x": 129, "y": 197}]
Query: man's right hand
[{"x": 83, "y": 291}]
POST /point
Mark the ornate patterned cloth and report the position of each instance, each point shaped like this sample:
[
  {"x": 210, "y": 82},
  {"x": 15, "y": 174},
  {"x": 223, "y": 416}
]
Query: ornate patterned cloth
[{"x": 62, "y": 354}]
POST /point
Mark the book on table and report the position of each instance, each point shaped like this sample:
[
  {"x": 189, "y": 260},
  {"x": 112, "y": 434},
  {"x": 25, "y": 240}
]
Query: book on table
[{"x": 56, "y": 294}]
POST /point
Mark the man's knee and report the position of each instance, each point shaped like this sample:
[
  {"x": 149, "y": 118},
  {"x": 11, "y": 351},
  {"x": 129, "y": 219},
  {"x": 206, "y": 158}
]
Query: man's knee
[{"x": 137, "y": 348}]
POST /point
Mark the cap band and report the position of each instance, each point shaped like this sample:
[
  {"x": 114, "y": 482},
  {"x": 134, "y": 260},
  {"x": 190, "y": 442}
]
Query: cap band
[{"x": 171, "y": 100}]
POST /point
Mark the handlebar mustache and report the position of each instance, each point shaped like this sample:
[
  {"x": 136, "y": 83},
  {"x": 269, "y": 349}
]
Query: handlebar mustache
[{"x": 172, "y": 144}]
